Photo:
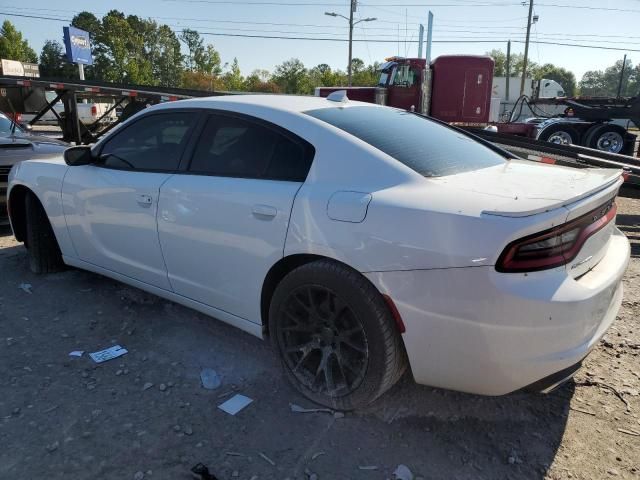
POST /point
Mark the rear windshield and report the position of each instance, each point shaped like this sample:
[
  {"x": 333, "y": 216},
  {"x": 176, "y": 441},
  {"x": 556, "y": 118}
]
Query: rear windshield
[{"x": 431, "y": 149}]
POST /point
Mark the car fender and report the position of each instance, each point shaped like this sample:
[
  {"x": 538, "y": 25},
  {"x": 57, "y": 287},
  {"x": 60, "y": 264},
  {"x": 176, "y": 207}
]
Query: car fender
[{"x": 44, "y": 178}]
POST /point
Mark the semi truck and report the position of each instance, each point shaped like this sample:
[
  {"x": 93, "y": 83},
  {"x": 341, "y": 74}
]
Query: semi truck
[{"x": 458, "y": 89}]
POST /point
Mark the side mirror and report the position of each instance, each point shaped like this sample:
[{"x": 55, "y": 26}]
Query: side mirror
[{"x": 80, "y": 155}]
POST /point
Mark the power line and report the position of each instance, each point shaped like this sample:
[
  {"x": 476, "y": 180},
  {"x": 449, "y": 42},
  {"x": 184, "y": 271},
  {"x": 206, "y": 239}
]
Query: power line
[{"x": 372, "y": 40}]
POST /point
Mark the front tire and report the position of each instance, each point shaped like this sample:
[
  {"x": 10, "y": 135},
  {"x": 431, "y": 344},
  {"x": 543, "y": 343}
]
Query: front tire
[
  {"x": 42, "y": 246},
  {"x": 337, "y": 341}
]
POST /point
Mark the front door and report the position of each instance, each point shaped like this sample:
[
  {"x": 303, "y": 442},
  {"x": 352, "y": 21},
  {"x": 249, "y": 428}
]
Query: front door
[
  {"x": 223, "y": 224},
  {"x": 111, "y": 206}
]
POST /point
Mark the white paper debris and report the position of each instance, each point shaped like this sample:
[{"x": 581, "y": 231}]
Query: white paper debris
[
  {"x": 26, "y": 287},
  {"x": 108, "y": 354},
  {"x": 235, "y": 404},
  {"x": 76, "y": 353},
  {"x": 210, "y": 378},
  {"x": 403, "y": 473},
  {"x": 298, "y": 409}
]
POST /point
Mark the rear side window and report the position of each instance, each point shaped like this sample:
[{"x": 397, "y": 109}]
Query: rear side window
[
  {"x": 231, "y": 146},
  {"x": 427, "y": 147},
  {"x": 154, "y": 142}
]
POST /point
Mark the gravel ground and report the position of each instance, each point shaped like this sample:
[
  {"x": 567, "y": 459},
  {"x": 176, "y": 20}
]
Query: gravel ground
[{"x": 145, "y": 415}]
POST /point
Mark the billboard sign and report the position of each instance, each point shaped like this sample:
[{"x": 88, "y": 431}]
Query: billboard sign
[
  {"x": 78, "y": 46},
  {"x": 19, "y": 69}
]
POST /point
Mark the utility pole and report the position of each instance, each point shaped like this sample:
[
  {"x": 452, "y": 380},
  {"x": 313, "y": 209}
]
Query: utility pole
[
  {"x": 352, "y": 9},
  {"x": 624, "y": 62},
  {"x": 526, "y": 49},
  {"x": 508, "y": 70}
]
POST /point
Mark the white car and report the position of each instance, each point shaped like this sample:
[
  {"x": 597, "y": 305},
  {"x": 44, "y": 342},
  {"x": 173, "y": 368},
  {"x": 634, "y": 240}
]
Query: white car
[{"x": 360, "y": 239}]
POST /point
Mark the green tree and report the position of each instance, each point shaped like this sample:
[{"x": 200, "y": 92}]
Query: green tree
[
  {"x": 166, "y": 58},
  {"x": 53, "y": 62},
  {"x": 233, "y": 80},
  {"x": 292, "y": 77},
  {"x": 516, "y": 61},
  {"x": 13, "y": 46},
  {"x": 195, "y": 46},
  {"x": 208, "y": 61},
  {"x": 132, "y": 49},
  {"x": 259, "y": 81},
  {"x": 605, "y": 83}
]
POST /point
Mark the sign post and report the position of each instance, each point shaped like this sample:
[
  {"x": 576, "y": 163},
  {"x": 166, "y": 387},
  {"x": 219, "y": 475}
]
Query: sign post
[{"x": 78, "y": 48}]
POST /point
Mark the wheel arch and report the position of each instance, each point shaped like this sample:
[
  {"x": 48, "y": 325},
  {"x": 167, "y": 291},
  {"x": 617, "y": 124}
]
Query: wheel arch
[
  {"x": 17, "y": 210},
  {"x": 280, "y": 270}
]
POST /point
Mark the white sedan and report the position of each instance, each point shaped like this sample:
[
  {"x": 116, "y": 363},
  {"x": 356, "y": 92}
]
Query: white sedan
[{"x": 360, "y": 239}]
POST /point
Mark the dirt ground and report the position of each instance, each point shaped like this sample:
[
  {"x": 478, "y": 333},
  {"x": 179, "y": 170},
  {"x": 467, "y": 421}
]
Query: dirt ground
[{"x": 69, "y": 418}]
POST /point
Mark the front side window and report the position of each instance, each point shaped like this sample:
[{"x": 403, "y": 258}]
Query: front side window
[
  {"x": 230, "y": 146},
  {"x": 154, "y": 142},
  {"x": 404, "y": 77},
  {"x": 423, "y": 145}
]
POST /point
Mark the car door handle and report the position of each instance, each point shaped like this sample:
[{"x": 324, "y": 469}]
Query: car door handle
[
  {"x": 144, "y": 200},
  {"x": 264, "y": 211}
]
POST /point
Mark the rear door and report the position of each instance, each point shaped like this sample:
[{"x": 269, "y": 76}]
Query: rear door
[
  {"x": 222, "y": 224},
  {"x": 111, "y": 206}
]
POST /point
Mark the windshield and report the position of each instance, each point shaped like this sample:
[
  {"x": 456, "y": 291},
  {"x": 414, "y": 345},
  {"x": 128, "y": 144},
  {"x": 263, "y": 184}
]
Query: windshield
[
  {"x": 6, "y": 126},
  {"x": 423, "y": 145}
]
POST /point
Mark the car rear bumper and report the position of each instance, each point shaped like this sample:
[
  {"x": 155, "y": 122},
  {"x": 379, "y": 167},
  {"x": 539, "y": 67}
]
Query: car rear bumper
[{"x": 479, "y": 331}]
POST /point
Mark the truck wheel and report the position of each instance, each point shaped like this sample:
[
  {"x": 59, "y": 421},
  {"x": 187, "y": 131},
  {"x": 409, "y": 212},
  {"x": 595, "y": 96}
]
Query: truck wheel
[
  {"x": 335, "y": 335},
  {"x": 560, "y": 135},
  {"x": 44, "y": 252},
  {"x": 605, "y": 137}
]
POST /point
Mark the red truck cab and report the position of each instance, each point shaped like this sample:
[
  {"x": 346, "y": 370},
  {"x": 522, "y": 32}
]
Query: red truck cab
[{"x": 454, "y": 88}]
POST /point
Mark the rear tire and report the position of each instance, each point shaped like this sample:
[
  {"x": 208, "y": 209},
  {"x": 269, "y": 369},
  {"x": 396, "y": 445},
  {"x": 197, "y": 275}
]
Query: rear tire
[
  {"x": 560, "y": 135},
  {"x": 41, "y": 243},
  {"x": 606, "y": 138},
  {"x": 335, "y": 335}
]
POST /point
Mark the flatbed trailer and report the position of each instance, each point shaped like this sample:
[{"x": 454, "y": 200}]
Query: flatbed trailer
[
  {"x": 601, "y": 123},
  {"x": 22, "y": 95}
]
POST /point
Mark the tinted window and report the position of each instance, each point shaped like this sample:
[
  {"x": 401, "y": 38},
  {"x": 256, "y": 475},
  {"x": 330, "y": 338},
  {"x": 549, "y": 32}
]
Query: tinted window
[
  {"x": 154, "y": 142},
  {"x": 235, "y": 147},
  {"x": 7, "y": 127},
  {"x": 427, "y": 147}
]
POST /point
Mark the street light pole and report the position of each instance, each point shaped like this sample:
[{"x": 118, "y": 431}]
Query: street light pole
[
  {"x": 351, "y": 25},
  {"x": 526, "y": 49},
  {"x": 350, "y": 39}
]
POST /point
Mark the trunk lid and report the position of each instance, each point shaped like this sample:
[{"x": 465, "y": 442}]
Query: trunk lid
[{"x": 521, "y": 188}]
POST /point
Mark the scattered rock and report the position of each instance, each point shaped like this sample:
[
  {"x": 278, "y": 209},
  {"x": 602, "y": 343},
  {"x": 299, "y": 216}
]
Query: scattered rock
[
  {"x": 162, "y": 387},
  {"x": 613, "y": 472},
  {"x": 147, "y": 386},
  {"x": 52, "y": 447},
  {"x": 177, "y": 428},
  {"x": 188, "y": 430},
  {"x": 138, "y": 476}
]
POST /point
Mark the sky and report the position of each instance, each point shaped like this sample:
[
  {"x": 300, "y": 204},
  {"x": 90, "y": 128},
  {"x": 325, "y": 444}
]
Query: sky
[{"x": 460, "y": 27}]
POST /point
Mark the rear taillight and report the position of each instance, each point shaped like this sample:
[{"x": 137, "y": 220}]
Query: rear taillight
[
  {"x": 94, "y": 110},
  {"x": 556, "y": 246}
]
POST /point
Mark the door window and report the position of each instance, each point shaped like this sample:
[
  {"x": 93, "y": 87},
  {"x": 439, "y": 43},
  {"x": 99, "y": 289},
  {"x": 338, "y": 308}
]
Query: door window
[
  {"x": 404, "y": 77},
  {"x": 230, "y": 146},
  {"x": 154, "y": 142}
]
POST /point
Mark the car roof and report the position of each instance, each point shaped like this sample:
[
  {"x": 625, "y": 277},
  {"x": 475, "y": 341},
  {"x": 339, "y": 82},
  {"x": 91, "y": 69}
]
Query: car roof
[{"x": 291, "y": 103}]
